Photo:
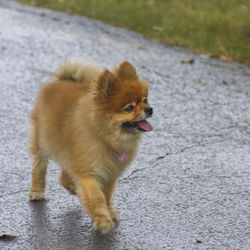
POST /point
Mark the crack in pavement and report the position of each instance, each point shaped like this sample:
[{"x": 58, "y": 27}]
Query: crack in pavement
[
  {"x": 198, "y": 144},
  {"x": 130, "y": 176}
]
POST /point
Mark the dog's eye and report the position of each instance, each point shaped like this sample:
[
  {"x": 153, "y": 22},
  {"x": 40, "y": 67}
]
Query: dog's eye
[
  {"x": 145, "y": 100},
  {"x": 130, "y": 108}
]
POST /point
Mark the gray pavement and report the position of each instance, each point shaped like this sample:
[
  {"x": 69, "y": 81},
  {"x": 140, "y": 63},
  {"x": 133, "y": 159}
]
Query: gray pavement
[{"x": 189, "y": 187}]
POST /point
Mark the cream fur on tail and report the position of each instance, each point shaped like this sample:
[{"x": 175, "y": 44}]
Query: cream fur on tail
[{"x": 78, "y": 70}]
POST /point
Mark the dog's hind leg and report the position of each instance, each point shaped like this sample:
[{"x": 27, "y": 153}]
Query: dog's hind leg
[
  {"x": 39, "y": 168},
  {"x": 67, "y": 182}
]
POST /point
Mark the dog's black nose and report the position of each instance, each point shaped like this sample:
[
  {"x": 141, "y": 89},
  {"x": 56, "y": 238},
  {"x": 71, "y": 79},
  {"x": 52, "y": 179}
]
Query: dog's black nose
[{"x": 148, "y": 111}]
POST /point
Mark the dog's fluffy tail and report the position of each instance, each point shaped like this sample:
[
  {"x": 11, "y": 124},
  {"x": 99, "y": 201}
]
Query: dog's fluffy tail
[{"x": 78, "y": 70}]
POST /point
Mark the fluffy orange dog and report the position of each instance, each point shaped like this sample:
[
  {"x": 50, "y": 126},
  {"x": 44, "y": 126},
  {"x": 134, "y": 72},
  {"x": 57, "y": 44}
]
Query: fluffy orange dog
[{"x": 89, "y": 121}]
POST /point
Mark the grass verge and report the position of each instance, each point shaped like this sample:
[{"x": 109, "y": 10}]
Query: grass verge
[{"x": 215, "y": 27}]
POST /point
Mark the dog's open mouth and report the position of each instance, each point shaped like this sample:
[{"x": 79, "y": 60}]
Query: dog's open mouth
[{"x": 143, "y": 126}]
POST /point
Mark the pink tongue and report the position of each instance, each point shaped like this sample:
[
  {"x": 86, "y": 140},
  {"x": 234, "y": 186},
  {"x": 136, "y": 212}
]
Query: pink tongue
[
  {"x": 145, "y": 125},
  {"x": 123, "y": 156}
]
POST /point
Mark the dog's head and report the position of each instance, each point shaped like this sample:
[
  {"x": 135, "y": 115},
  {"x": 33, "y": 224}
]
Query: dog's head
[{"x": 123, "y": 99}]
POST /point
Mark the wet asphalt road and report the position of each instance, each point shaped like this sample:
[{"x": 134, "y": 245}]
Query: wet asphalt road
[{"x": 189, "y": 187}]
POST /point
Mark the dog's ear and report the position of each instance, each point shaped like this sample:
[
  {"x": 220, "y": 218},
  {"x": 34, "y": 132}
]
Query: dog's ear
[
  {"x": 107, "y": 84},
  {"x": 126, "y": 71}
]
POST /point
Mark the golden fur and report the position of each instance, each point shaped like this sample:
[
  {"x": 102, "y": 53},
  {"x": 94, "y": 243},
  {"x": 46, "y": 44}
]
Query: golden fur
[{"x": 78, "y": 122}]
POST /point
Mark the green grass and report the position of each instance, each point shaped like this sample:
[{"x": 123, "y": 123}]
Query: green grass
[{"x": 217, "y": 27}]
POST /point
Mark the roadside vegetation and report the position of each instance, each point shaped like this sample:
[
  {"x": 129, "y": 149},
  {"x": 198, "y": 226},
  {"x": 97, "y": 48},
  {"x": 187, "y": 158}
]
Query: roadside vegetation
[{"x": 218, "y": 28}]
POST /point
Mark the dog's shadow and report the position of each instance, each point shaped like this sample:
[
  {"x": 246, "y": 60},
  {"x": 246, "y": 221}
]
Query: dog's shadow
[
  {"x": 40, "y": 224},
  {"x": 71, "y": 230}
]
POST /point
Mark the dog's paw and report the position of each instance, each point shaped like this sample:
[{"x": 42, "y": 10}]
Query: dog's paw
[
  {"x": 103, "y": 222},
  {"x": 114, "y": 213},
  {"x": 36, "y": 196}
]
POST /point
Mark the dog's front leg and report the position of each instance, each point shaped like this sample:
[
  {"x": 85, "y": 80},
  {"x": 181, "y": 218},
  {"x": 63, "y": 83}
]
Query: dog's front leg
[
  {"x": 94, "y": 202},
  {"x": 108, "y": 190}
]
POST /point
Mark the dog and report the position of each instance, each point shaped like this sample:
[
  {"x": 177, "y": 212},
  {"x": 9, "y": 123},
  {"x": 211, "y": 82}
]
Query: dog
[{"x": 89, "y": 121}]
